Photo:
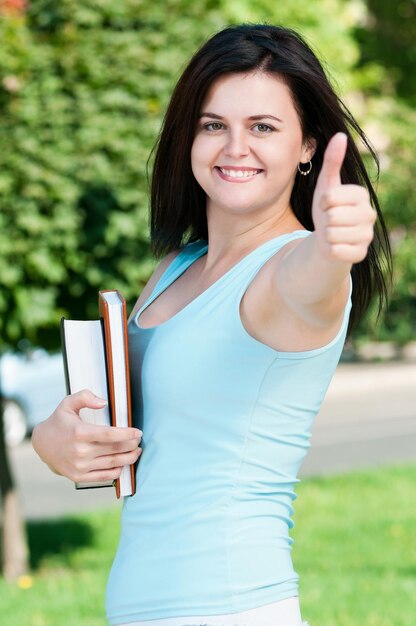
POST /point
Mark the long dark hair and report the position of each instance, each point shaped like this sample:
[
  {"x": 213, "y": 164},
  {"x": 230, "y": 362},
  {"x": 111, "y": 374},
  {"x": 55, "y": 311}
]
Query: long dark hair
[{"x": 178, "y": 203}]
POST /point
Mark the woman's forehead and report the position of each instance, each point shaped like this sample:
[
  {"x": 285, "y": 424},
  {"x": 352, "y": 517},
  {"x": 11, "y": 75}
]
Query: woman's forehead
[{"x": 249, "y": 94}]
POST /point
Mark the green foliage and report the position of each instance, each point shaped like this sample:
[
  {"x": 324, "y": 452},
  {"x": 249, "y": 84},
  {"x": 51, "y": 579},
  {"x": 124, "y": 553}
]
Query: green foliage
[
  {"x": 388, "y": 37},
  {"x": 325, "y": 24},
  {"x": 387, "y": 67},
  {"x": 397, "y": 194},
  {"x": 83, "y": 88},
  {"x": 391, "y": 124}
]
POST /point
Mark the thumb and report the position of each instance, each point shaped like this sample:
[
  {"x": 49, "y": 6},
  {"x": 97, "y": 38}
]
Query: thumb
[
  {"x": 83, "y": 399},
  {"x": 330, "y": 174}
]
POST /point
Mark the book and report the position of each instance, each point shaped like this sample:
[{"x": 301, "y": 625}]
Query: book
[{"x": 95, "y": 354}]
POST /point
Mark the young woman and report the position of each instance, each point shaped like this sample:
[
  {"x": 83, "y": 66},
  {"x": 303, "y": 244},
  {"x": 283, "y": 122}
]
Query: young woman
[{"x": 265, "y": 217}]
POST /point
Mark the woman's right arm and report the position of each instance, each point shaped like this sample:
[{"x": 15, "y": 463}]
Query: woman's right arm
[{"x": 86, "y": 452}]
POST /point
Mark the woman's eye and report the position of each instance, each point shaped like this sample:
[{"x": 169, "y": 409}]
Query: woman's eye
[
  {"x": 263, "y": 128},
  {"x": 213, "y": 126}
]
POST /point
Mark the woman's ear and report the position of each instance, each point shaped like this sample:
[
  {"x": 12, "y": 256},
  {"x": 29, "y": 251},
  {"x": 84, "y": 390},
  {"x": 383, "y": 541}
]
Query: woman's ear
[{"x": 309, "y": 148}]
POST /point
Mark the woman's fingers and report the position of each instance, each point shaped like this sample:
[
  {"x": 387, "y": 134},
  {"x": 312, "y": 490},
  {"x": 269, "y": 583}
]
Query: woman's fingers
[
  {"x": 106, "y": 434},
  {"x": 354, "y": 235},
  {"x": 116, "y": 447},
  {"x": 349, "y": 215},
  {"x": 84, "y": 468},
  {"x": 98, "y": 448},
  {"x": 98, "y": 476},
  {"x": 116, "y": 460},
  {"x": 87, "y": 451},
  {"x": 345, "y": 194}
]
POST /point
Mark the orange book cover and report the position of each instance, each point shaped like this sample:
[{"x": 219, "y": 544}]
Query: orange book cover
[{"x": 116, "y": 419}]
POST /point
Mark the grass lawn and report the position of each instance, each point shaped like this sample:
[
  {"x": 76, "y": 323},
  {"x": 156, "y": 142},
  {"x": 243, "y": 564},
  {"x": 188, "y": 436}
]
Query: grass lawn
[
  {"x": 355, "y": 548},
  {"x": 355, "y": 552}
]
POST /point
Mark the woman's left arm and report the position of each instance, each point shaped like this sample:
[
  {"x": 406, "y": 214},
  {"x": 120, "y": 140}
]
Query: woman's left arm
[{"x": 312, "y": 275}]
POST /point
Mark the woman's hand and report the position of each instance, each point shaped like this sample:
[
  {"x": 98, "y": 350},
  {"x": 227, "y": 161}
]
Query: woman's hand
[
  {"x": 342, "y": 214},
  {"x": 84, "y": 452}
]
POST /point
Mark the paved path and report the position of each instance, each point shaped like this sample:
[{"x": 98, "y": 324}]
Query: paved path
[{"x": 368, "y": 419}]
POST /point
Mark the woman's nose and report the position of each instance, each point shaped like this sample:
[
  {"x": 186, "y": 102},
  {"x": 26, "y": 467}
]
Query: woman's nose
[{"x": 237, "y": 144}]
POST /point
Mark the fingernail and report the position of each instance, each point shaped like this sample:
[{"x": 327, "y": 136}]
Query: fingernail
[
  {"x": 100, "y": 401},
  {"x": 140, "y": 432}
]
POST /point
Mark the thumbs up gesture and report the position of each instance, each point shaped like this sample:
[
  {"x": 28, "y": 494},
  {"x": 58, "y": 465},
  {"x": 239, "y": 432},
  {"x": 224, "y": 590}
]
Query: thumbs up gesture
[{"x": 342, "y": 214}]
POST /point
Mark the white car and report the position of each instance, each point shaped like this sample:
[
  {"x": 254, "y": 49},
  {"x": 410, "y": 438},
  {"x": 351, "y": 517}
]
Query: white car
[{"x": 32, "y": 386}]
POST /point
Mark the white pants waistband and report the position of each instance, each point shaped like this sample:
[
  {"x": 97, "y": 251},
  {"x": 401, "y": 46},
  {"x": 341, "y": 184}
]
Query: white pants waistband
[{"x": 282, "y": 613}]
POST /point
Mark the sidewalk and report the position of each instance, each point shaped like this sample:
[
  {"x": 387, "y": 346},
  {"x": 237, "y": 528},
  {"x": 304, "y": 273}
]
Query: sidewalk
[
  {"x": 368, "y": 418},
  {"x": 364, "y": 377}
]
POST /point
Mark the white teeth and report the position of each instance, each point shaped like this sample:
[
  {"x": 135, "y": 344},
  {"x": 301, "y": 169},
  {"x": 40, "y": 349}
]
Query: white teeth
[{"x": 239, "y": 173}]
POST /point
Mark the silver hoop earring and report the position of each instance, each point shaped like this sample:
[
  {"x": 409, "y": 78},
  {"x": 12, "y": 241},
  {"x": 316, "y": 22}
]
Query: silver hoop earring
[{"x": 305, "y": 172}]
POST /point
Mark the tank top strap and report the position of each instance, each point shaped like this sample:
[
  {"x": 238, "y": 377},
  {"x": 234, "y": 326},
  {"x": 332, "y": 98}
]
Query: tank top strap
[
  {"x": 186, "y": 256},
  {"x": 258, "y": 257},
  {"x": 243, "y": 273}
]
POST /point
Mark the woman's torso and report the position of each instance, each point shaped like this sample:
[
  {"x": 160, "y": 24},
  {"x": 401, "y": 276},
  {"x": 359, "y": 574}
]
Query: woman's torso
[{"x": 226, "y": 424}]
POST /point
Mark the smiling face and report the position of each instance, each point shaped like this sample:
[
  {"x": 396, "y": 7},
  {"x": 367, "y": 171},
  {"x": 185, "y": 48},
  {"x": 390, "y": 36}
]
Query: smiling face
[{"x": 248, "y": 144}]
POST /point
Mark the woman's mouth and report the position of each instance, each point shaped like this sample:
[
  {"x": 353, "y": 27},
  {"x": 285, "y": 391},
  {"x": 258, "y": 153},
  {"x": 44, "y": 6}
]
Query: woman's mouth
[{"x": 235, "y": 174}]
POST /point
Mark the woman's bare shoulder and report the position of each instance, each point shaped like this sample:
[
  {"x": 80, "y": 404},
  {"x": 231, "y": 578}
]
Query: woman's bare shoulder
[{"x": 148, "y": 288}]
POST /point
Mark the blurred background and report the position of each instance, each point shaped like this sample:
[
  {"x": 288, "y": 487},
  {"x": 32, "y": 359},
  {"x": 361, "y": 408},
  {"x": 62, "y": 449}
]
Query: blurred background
[{"x": 83, "y": 90}]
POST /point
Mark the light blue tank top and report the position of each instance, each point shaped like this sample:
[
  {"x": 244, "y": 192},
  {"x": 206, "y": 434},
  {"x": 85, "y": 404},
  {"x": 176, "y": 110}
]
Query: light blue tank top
[{"x": 226, "y": 424}]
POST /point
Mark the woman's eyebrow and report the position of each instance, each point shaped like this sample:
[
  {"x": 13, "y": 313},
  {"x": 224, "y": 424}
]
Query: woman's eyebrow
[
  {"x": 214, "y": 115},
  {"x": 252, "y": 117},
  {"x": 266, "y": 115}
]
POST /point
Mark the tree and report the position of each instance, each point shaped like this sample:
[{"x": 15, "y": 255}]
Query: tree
[
  {"x": 388, "y": 38},
  {"x": 14, "y": 550}
]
